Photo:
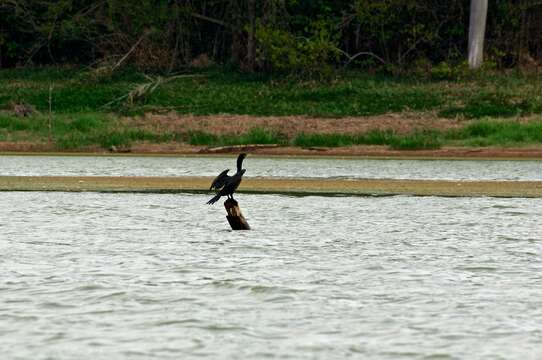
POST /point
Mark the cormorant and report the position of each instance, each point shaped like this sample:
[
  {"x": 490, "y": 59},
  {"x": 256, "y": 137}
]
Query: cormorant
[{"x": 228, "y": 184}]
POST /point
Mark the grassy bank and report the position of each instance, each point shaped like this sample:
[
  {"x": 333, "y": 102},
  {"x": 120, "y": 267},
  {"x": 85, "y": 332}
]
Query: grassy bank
[
  {"x": 77, "y": 132},
  {"x": 216, "y": 91},
  {"x": 86, "y": 107},
  {"x": 485, "y": 132}
]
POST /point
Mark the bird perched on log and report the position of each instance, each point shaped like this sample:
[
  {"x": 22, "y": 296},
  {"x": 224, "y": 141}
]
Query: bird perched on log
[{"x": 228, "y": 184}]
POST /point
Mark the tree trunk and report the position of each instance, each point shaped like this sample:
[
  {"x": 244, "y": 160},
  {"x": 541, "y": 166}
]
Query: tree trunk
[
  {"x": 251, "y": 41},
  {"x": 477, "y": 28},
  {"x": 237, "y": 43},
  {"x": 235, "y": 217}
]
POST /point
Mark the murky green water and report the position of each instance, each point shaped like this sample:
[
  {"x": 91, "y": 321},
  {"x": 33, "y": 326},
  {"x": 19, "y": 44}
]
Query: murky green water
[
  {"x": 272, "y": 167},
  {"x": 140, "y": 276}
]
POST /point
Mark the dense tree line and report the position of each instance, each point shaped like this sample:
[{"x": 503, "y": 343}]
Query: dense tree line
[{"x": 263, "y": 35}]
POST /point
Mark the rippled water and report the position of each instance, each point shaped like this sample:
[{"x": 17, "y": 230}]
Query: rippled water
[
  {"x": 273, "y": 167},
  {"x": 139, "y": 276}
]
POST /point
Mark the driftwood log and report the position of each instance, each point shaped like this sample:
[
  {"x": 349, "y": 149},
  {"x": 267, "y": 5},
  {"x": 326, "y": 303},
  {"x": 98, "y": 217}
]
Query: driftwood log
[
  {"x": 235, "y": 216},
  {"x": 237, "y": 148}
]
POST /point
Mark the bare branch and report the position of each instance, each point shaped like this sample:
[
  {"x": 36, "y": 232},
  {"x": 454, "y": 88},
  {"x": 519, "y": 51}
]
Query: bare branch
[
  {"x": 130, "y": 51},
  {"x": 145, "y": 89},
  {"x": 353, "y": 57},
  {"x": 214, "y": 21}
]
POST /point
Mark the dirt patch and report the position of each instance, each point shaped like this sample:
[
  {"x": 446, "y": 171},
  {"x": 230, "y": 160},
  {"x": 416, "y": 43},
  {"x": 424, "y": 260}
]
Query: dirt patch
[
  {"x": 290, "y": 126},
  {"x": 25, "y": 146}
]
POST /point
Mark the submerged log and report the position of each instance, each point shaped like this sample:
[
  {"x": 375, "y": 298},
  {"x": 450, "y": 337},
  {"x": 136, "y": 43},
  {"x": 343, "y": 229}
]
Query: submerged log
[{"x": 235, "y": 217}]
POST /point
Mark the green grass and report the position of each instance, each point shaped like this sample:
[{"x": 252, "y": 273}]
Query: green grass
[
  {"x": 75, "y": 131},
  {"x": 221, "y": 91},
  {"x": 498, "y": 133},
  {"x": 476, "y": 134},
  {"x": 415, "y": 141},
  {"x": 420, "y": 140}
]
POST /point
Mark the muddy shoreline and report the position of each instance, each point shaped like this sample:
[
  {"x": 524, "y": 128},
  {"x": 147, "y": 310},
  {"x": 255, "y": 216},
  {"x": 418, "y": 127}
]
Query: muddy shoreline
[{"x": 531, "y": 153}]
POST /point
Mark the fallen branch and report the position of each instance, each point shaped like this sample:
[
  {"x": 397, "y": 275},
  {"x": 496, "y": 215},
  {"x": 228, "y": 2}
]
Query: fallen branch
[
  {"x": 147, "y": 88},
  {"x": 237, "y": 148}
]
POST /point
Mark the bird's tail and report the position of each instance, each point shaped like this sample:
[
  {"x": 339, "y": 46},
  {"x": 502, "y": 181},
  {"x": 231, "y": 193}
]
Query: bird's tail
[{"x": 213, "y": 200}]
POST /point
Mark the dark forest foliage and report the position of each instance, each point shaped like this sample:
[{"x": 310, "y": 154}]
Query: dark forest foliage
[{"x": 299, "y": 36}]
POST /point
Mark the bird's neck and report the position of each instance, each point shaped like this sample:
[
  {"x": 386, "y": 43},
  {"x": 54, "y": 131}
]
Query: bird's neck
[{"x": 239, "y": 164}]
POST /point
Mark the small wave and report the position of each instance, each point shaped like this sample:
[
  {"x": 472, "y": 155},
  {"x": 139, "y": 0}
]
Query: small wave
[
  {"x": 56, "y": 305},
  {"x": 176, "y": 322},
  {"x": 96, "y": 312},
  {"x": 479, "y": 268},
  {"x": 21, "y": 317},
  {"x": 515, "y": 213},
  {"x": 259, "y": 289},
  {"x": 438, "y": 356},
  {"x": 280, "y": 299},
  {"x": 500, "y": 206},
  {"x": 182, "y": 271},
  {"x": 224, "y": 283},
  {"x": 112, "y": 295},
  {"x": 36, "y": 242},
  {"x": 264, "y": 289},
  {"x": 89, "y": 287},
  {"x": 221, "y": 328}
]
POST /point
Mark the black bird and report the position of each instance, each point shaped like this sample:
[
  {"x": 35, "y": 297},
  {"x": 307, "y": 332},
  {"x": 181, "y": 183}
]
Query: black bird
[{"x": 228, "y": 184}]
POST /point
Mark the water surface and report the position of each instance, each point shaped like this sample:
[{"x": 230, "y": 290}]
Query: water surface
[
  {"x": 272, "y": 167},
  {"x": 139, "y": 276}
]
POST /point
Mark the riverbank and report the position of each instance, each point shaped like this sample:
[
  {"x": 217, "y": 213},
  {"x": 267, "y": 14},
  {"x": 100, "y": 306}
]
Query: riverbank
[
  {"x": 301, "y": 187},
  {"x": 67, "y": 110},
  {"x": 389, "y": 135},
  {"x": 371, "y": 152}
]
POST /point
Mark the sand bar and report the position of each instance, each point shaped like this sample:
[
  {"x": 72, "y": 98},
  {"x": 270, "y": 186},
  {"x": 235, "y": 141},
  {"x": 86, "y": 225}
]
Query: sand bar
[{"x": 275, "y": 186}]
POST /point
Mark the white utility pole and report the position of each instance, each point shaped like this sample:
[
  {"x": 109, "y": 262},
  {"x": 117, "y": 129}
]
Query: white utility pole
[{"x": 477, "y": 29}]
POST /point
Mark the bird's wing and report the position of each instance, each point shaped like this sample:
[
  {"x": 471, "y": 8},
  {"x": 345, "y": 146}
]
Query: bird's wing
[
  {"x": 220, "y": 180},
  {"x": 231, "y": 184}
]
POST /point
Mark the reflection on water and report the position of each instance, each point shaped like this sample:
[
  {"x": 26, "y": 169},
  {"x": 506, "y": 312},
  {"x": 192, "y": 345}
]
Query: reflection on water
[
  {"x": 135, "y": 276},
  {"x": 274, "y": 167}
]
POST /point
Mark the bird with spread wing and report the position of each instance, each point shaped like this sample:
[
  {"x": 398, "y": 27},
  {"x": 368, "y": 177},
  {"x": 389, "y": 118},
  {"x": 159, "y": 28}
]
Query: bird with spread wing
[{"x": 225, "y": 184}]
